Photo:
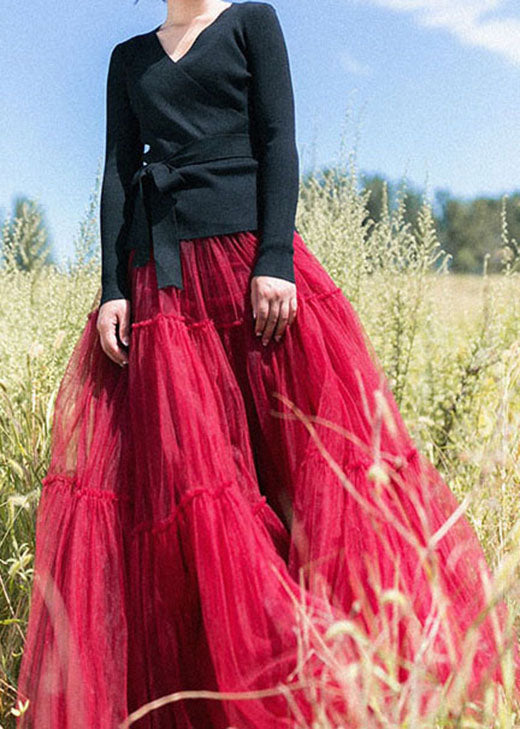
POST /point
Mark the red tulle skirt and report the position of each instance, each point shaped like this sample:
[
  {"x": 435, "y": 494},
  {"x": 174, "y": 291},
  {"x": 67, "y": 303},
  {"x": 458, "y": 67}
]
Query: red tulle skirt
[{"x": 220, "y": 515}]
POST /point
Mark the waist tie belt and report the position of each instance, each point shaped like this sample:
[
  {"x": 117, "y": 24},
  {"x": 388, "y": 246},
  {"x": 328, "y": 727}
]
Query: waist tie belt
[{"x": 154, "y": 215}]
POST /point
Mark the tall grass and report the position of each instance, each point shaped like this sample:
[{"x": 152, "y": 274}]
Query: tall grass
[{"x": 449, "y": 345}]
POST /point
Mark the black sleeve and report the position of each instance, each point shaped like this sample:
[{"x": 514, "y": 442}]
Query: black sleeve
[
  {"x": 272, "y": 108},
  {"x": 123, "y": 150}
]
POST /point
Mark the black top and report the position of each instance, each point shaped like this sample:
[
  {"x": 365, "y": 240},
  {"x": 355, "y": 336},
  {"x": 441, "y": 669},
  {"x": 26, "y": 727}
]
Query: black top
[{"x": 222, "y": 157}]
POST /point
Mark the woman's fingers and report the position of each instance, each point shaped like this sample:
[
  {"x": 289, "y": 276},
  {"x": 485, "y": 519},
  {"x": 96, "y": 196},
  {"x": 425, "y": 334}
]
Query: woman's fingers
[
  {"x": 113, "y": 319},
  {"x": 125, "y": 329},
  {"x": 274, "y": 306},
  {"x": 272, "y": 317},
  {"x": 293, "y": 307},
  {"x": 283, "y": 318}
]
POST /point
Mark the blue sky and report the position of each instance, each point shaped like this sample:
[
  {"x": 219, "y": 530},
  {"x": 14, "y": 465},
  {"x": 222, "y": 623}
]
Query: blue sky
[{"x": 429, "y": 89}]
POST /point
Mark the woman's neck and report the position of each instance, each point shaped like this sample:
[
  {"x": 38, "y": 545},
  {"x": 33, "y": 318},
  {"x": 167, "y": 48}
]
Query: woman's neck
[{"x": 183, "y": 12}]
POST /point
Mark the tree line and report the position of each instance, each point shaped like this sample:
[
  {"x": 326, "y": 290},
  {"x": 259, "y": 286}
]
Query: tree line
[{"x": 467, "y": 229}]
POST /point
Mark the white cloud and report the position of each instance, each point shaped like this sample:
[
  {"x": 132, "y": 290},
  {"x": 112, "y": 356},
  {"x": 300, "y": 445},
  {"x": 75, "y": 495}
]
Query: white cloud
[
  {"x": 479, "y": 23},
  {"x": 351, "y": 65}
]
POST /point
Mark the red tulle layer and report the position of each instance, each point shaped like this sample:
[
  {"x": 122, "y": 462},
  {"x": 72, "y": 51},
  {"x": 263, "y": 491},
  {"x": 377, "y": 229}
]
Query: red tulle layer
[{"x": 214, "y": 508}]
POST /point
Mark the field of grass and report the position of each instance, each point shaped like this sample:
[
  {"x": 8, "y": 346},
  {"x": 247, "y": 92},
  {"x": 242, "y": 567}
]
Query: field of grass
[{"x": 449, "y": 344}]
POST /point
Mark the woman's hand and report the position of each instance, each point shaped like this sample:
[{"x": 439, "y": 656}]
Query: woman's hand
[
  {"x": 113, "y": 321},
  {"x": 274, "y": 305}
]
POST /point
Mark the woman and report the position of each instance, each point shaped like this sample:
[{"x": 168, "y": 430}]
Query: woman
[{"x": 228, "y": 465}]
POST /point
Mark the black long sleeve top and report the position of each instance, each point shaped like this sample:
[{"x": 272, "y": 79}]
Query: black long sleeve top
[{"x": 224, "y": 110}]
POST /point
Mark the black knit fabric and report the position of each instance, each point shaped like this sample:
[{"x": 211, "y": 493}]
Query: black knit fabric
[{"x": 234, "y": 79}]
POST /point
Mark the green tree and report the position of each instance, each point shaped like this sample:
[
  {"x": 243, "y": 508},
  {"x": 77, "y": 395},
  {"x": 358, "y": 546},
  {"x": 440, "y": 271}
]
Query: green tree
[{"x": 25, "y": 237}]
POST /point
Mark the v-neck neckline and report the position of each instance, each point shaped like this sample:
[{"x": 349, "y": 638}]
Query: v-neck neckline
[{"x": 154, "y": 35}]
